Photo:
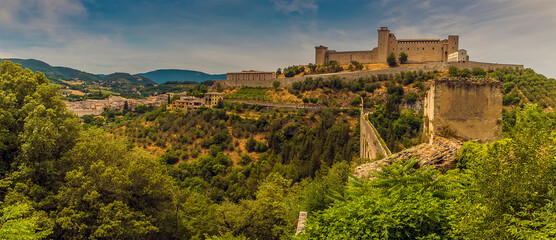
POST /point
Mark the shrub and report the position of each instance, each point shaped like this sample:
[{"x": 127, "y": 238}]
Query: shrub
[
  {"x": 411, "y": 98},
  {"x": 170, "y": 157},
  {"x": 391, "y": 60},
  {"x": 245, "y": 160},
  {"x": 403, "y": 58},
  {"x": 453, "y": 71}
]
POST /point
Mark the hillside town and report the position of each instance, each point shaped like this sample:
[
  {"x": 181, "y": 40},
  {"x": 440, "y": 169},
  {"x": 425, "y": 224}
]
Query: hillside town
[{"x": 97, "y": 106}]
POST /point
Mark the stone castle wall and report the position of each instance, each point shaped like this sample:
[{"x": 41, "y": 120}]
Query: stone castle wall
[
  {"x": 347, "y": 57},
  {"x": 348, "y": 76},
  {"x": 418, "y": 50},
  {"x": 370, "y": 145},
  {"x": 470, "y": 109}
]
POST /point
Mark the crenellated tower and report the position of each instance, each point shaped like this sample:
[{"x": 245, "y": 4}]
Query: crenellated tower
[{"x": 383, "y": 37}]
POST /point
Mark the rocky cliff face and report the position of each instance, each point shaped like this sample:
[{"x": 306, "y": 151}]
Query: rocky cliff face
[{"x": 440, "y": 154}]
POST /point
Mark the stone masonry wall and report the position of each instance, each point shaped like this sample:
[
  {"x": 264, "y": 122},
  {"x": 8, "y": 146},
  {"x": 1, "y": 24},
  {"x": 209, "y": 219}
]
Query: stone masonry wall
[
  {"x": 440, "y": 66},
  {"x": 370, "y": 145},
  {"x": 470, "y": 109}
]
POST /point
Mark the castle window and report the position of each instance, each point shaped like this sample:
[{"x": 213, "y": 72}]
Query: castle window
[
  {"x": 423, "y": 48},
  {"x": 432, "y": 48},
  {"x": 407, "y": 48}
]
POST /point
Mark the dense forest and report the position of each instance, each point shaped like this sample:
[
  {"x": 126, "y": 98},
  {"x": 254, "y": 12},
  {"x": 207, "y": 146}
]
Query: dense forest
[{"x": 243, "y": 172}]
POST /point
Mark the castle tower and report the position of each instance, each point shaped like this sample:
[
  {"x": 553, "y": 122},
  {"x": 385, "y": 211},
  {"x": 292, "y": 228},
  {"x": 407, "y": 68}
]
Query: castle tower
[
  {"x": 320, "y": 55},
  {"x": 453, "y": 41},
  {"x": 383, "y": 37}
]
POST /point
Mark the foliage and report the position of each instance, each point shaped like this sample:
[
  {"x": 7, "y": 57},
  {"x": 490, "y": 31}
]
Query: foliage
[
  {"x": 250, "y": 93},
  {"x": 291, "y": 71},
  {"x": 403, "y": 58},
  {"x": 331, "y": 67},
  {"x": 62, "y": 181},
  {"x": 512, "y": 181},
  {"x": 522, "y": 86},
  {"x": 391, "y": 60},
  {"x": 320, "y": 193},
  {"x": 105, "y": 191},
  {"x": 355, "y": 65},
  {"x": 400, "y": 203},
  {"x": 263, "y": 217},
  {"x": 19, "y": 222}
]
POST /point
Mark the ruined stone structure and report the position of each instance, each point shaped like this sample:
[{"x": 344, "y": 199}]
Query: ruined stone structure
[
  {"x": 246, "y": 77},
  {"x": 301, "y": 222},
  {"x": 371, "y": 145},
  {"x": 470, "y": 109},
  {"x": 418, "y": 50}
]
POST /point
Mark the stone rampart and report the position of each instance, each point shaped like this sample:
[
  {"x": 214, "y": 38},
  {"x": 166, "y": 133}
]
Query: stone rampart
[
  {"x": 371, "y": 145},
  {"x": 348, "y": 76}
]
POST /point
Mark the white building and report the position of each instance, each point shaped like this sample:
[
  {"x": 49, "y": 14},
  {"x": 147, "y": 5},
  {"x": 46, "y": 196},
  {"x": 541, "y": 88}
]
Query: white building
[{"x": 459, "y": 56}]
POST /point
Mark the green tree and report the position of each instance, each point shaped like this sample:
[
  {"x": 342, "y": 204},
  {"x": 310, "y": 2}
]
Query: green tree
[
  {"x": 279, "y": 71},
  {"x": 453, "y": 71},
  {"x": 111, "y": 192},
  {"x": 18, "y": 222},
  {"x": 512, "y": 181},
  {"x": 403, "y": 58},
  {"x": 276, "y": 84},
  {"x": 391, "y": 60},
  {"x": 268, "y": 216},
  {"x": 400, "y": 203},
  {"x": 479, "y": 72}
]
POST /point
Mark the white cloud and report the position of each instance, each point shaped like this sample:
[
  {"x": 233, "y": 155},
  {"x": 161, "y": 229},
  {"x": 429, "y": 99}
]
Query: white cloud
[
  {"x": 299, "y": 6},
  {"x": 32, "y": 17}
]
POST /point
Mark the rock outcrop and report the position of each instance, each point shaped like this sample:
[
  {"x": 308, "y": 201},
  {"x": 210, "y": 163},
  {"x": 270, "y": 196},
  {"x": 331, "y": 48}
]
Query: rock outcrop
[{"x": 440, "y": 154}]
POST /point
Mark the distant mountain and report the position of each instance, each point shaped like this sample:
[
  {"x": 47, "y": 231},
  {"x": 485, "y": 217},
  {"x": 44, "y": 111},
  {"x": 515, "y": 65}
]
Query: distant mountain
[
  {"x": 116, "y": 79},
  {"x": 175, "y": 75},
  {"x": 63, "y": 73},
  {"x": 68, "y": 74},
  {"x": 126, "y": 79}
]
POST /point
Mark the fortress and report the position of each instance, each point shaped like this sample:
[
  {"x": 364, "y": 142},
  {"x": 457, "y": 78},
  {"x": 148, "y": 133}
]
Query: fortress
[
  {"x": 434, "y": 54},
  {"x": 418, "y": 50}
]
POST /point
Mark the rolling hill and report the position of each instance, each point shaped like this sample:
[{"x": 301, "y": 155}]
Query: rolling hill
[
  {"x": 126, "y": 78},
  {"x": 166, "y": 75},
  {"x": 63, "y": 73}
]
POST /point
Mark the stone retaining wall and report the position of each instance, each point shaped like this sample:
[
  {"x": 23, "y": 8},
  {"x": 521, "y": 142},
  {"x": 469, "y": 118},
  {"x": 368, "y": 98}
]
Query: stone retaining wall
[{"x": 347, "y": 76}]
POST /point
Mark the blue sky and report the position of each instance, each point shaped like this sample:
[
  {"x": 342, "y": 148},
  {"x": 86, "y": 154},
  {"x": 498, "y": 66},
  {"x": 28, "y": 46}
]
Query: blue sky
[{"x": 217, "y": 36}]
